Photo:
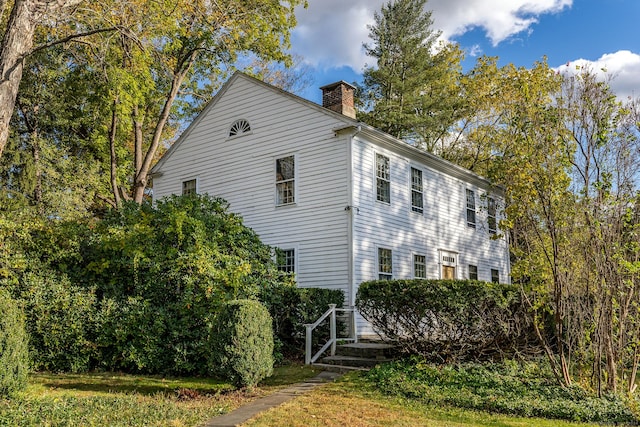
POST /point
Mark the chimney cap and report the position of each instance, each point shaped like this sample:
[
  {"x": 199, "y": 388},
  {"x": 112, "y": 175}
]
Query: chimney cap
[{"x": 341, "y": 82}]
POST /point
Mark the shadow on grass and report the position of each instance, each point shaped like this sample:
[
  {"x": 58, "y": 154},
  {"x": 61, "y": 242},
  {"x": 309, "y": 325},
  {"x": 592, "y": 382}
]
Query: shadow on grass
[
  {"x": 124, "y": 383},
  {"x": 109, "y": 382}
]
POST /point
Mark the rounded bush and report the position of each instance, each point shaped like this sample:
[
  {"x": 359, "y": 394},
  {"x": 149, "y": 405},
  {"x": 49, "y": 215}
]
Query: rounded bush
[
  {"x": 242, "y": 343},
  {"x": 14, "y": 352}
]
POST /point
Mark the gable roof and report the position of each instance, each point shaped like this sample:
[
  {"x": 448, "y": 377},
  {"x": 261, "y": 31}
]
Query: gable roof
[
  {"x": 370, "y": 132},
  {"x": 225, "y": 87}
]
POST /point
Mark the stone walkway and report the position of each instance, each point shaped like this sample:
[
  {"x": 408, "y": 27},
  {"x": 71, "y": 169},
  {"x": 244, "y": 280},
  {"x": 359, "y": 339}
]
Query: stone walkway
[{"x": 249, "y": 410}]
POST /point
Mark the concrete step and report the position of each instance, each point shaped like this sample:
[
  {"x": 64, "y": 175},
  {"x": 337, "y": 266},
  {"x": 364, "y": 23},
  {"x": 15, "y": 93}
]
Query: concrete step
[
  {"x": 353, "y": 361},
  {"x": 367, "y": 350},
  {"x": 339, "y": 368}
]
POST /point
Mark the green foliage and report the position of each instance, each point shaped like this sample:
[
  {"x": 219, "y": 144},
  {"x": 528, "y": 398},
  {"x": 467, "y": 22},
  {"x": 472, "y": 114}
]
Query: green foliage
[
  {"x": 242, "y": 343},
  {"x": 60, "y": 321},
  {"x": 448, "y": 319},
  {"x": 162, "y": 272},
  {"x": 510, "y": 387},
  {"x": 14, "y": 353},
  {"x": 291, "y": 308},
  {"x": 136, "y": 291}
]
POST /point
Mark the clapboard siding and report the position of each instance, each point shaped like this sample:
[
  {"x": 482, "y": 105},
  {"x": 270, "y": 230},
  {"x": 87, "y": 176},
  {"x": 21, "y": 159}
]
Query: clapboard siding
[
  {"x": 442, "y": 226},
  {"x": 336, "y": 225},
  {"x": 241, "y": 170}
]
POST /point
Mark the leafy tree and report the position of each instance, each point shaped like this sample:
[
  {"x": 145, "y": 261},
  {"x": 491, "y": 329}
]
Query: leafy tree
[
  {"x": 19, "y": 30},
  {"x": 413, "y": 92}
]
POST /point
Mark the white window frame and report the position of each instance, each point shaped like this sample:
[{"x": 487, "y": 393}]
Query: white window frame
[
  {"x": 293, "y": 180},
  {"x": 475, "y": 266},
  {"x": 492, "y": 219},
  {"x": 196, "y": 189},
  {"x": 417, "y": 190},
  {"x": 497, "y": 275},
  {"x": 414, "y": 264},
  {"x": 379, "y": 271},
  {"x": 296, "y": 255},
  {"x": 471, "y": 214},
  {"x": 381, "y": 179}
]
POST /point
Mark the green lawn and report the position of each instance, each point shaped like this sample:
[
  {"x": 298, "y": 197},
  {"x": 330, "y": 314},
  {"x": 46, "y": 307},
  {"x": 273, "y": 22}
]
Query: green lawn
[
  {"x": 127, "y": 400},
  {"x": 349, "y": 402}
]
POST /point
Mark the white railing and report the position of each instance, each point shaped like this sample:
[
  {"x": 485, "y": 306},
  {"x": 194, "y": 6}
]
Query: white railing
[{"x": 331, "y": 314}]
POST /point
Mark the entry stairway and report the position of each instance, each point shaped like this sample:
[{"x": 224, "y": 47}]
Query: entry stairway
[{"x": 359, "y": 356}]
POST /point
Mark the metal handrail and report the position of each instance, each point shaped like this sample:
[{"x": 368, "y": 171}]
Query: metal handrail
[{"x": 331, "y": 313}]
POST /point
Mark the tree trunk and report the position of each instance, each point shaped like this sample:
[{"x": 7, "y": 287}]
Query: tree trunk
[
  {"x": 16, "y": 45},
  {"x": 112, "y": 154},
  {"x": 17, "y": 42}
]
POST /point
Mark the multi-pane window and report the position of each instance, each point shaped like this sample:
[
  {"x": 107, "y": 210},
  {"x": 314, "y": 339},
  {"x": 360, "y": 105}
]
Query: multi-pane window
[
  {"x": 383, "y": 179},
  {"x": 417, "y": 196},
  {"x": 491, "y": 215},
  {"x": 189, "y": 187},
  {"x": 471, "y": 208},
  {"x": 419, "y": 267},
  {"x": 285, "y": 181},
  {"x": 385, "y": 264},
  {"x": 473, "y": 272},
  {"x": 495, "y": 276},
  {"x": 286, "y": 260}
]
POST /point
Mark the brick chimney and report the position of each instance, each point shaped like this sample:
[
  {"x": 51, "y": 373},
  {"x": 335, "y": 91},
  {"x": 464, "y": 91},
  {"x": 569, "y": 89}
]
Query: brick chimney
[{"x": 338, "y": 97}]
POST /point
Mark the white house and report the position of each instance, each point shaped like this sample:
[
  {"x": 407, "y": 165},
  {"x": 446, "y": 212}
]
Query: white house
[{"x": 344, "y": 201}]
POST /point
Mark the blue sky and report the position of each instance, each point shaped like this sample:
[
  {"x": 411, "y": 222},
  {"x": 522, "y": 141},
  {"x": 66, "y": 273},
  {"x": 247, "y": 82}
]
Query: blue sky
[{"x": 601, "y": 34}]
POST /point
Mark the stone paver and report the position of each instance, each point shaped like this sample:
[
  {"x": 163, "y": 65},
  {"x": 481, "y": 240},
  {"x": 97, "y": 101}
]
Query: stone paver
[{"x": 249, "y": 410}]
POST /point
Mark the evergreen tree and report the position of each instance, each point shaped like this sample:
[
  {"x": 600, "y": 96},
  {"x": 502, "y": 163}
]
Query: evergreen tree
[{"x": 413, "y": 92}]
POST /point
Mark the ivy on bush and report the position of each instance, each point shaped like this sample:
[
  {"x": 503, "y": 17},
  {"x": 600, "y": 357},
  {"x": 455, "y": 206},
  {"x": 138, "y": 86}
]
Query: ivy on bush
[{"x": 447, "y": 319}]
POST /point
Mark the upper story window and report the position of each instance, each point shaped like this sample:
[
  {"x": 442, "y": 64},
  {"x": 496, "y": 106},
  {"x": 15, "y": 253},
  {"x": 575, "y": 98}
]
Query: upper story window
[
  {"x": 239, "y": 127},
  {"x": 417, "y": 195},
  {"x": 491, "y": 215},
  {"x": 385, "y": 264},
  {"x": 189, "y": 187},
  {"x": 473, "y": 272},
  {"x": 286, "y": 260},
  {"x": 419, "y": 266},
  {"x": 383, "y": 179},
  {"x": 471, "y": 208},
  {"x": 285, "y": 181}
]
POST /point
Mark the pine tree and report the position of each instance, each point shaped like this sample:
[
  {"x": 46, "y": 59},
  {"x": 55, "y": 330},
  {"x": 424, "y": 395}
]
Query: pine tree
[{"x": 413, "y": 92}]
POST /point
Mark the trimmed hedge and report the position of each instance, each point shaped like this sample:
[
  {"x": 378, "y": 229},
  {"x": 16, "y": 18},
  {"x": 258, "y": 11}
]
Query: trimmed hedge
[
  {"x": 242, "y": 343},
  {"x": 14, "y": 353},
  {"x": 445, "y": 319}
]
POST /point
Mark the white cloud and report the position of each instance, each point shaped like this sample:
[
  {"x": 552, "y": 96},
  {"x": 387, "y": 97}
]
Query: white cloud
[
  {"x": 622, "y": 66},
  {"x": 500, "y": 19},
  {"x": 330, "y": 33}
]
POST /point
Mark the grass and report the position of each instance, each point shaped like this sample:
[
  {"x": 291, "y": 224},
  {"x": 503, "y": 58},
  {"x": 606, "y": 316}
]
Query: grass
[
  {"x": 352, "y": 402},
  {"x": 128, "y": 400}
]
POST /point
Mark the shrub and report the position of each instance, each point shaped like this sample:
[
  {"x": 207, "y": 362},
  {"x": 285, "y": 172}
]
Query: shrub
[
  {"x": 242, "y": 343},
  {"x": 14, "y": 353},
  {"x": 60, "y": 322},
  {"x": 450, "y": 319},
  {"x": 291, "y": 308}
]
